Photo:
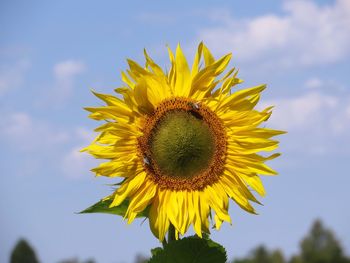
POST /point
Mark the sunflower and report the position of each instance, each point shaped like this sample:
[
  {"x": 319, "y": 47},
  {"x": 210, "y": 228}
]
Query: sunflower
[{"x": 183, "y": 142}]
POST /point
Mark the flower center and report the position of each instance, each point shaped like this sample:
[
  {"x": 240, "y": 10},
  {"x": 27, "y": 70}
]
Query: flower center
[{"x": 182, "y": 144}]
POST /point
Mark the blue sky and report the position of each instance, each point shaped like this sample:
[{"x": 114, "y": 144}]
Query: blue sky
[{"x": 53, "y": 52}]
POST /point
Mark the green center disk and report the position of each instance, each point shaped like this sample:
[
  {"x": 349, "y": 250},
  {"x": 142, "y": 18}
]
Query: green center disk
[{"x": 182, "y": 144}]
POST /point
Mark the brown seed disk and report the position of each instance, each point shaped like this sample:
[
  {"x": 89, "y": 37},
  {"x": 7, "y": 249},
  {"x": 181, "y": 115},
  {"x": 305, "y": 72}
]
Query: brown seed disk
[{"x": 200, "y": 180}]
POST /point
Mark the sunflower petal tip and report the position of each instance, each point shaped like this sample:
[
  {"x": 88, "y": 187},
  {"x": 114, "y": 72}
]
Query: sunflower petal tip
[
  {"x": 87, "y": 109},
  {"x": 146, "y": 54},
  {"x": 85, "y": 149},
  {"x": 130, "y": 62}
]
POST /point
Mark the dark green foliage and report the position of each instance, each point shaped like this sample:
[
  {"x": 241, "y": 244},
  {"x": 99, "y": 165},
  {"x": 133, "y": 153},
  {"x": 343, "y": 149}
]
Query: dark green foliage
[
  {"x": 74, "y": 260},
  {"x": 141, "y": 259},
  {"x": 262, "y": 255},
  {"x": 319, "y": 246},
  {"x": 277, "y": 257},
  {"x": 190, "y": 250},
  {"x": 23, "y": 253}
]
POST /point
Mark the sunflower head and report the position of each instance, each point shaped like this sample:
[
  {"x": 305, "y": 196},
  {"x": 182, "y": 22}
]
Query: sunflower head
[{"x": 183, "y": 142}]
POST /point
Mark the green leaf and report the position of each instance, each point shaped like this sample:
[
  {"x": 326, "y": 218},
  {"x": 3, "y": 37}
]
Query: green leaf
[
  {"x": 154, "y": 251},
  {"x": 191, "y": 250},
  {"x": 103, "y": 207}
]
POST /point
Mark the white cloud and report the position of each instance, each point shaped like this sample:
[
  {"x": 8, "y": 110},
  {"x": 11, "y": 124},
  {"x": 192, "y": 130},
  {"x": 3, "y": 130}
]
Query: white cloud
[
  {"x": 76, "y": 164},
  {"x": 317, "y": 123},
  {"x": 306, "y": 34},
  {"x": 65, "y": 70},
  {"x": 303, "y": 112},
  {"x": 340, "y": 122},
  {"x": 22, "y": 132},
  {"x": 313, "y": 83},
  {"x": 325, "y": 84},
  {"x": 11, "y": 76},
  {"x": 348, "y": 111},
  {"x": 65, "y": 73}
]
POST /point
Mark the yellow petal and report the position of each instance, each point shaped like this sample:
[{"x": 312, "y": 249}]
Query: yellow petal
[
  {"x": 136, "y": 70},
  {"x": 238, "y": 96},
  {"x": 127, "y": 80},
  {"x": 208, "y": 57},
  {"x": 140, "y": 200},
  {"x": 202, "y": 81},
  {"x": 183, "y": 75},
  {"x": 172, "y": 208},
  {"x": 149, "y": 62},
  {"x": 197, "y": 58},
  {"x": 204, "y": 210},
  {"x": 154, "y": 216},
  {"x": 232, "y": 189},
  {"x": 172, "y": 71},
  {"x": 142, "y": 97},
  {"x": 128, "y": 188},
  {"x": 255, "y": 183},
  {"x": 216, "y": 201},
  {"x": 163, "y": 219},
  {"x": 197, "y": 224}
]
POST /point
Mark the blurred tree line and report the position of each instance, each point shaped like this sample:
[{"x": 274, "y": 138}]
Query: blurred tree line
[{"x": 319, "y": 246}]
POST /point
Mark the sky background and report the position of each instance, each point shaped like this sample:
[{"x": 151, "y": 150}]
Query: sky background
[{"x": 53, "y": 52}]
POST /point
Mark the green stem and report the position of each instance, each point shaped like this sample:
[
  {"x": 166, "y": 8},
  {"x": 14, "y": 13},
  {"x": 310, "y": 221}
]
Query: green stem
[
  {"x": 171, "y": 233},
  {"x": 164, "y": 243}
]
